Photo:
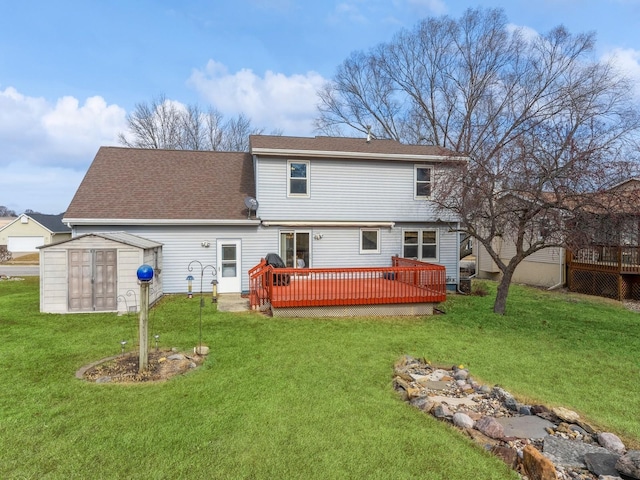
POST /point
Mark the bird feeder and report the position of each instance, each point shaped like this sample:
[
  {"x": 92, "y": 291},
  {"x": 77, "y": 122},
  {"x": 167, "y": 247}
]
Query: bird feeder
[
  {"x": 190, "y": 286},
  {"x": 214, "y": 291}
]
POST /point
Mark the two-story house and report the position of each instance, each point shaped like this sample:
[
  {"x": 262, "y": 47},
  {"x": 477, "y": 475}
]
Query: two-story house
[{"x": 317, "y": 202}]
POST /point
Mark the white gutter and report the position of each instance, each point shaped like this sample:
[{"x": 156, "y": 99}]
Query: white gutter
[
  {"x": 329, "y": 155},
  {"x": 147, "y": 221},
  {"x": 276, "y": 223}
]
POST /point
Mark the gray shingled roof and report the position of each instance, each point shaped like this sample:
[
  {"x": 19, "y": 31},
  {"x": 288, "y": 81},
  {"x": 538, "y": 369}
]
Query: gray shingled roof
[
  {"x": 130, "y": 183},
  {"x": 345, "y": 144},
  {"x": 53, "y": 223}
]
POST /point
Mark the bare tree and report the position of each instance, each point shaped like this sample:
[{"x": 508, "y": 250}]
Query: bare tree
[
  {"x": 7, "y": 212},
  {"x": 162, "y": 123},
  {"x": 542, "y": 122}
]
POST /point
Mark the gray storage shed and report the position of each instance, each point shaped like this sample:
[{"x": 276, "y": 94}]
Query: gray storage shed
[{"x": 97, "y": 272}]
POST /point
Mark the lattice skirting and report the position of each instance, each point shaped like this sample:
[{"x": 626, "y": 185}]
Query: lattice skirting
[
  {"x": 604, "y": 284},
  {"x": 385, "y": 310}
]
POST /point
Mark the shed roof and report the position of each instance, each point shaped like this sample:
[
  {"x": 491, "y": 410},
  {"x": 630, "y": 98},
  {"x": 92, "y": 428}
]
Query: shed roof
[
  {"x": 120, "y": 237},
  {"x": 133, "y": 183}
]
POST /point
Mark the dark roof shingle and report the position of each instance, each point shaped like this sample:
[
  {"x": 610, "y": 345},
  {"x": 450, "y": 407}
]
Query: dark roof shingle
[
  {"x": 129, "y": 183},
  {"x": 346, "y": 144},
  {"x": 53, "y": 223}
]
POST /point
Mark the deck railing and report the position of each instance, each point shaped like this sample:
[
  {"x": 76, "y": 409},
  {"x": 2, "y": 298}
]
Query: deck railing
[
  {"x": 405, "y": 281},
  {"x": 603, "y": 258}
]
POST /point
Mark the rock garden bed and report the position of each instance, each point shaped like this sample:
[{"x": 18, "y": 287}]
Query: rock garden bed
[
  {"x": 163, "y": 364},
  {"x": 538, "y": 442}
]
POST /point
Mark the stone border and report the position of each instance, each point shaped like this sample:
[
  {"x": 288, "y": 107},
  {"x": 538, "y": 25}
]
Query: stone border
[{"x": 538, "y": 442}]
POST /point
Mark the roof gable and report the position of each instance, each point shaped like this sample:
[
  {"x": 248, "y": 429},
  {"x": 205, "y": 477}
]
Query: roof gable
[
  {"x": 153, "y": 184},
  {"x": 120, "y": 237},
  {"x": 51, "y": 223}
]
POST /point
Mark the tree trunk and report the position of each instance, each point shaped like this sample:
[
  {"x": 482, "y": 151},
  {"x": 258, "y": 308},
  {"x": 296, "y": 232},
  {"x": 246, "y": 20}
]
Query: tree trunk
[{"x": 500, "y": 305}]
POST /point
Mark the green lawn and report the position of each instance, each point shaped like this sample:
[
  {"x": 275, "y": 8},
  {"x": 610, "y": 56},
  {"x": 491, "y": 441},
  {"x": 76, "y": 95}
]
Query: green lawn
[{"x": 303, "y": 398}]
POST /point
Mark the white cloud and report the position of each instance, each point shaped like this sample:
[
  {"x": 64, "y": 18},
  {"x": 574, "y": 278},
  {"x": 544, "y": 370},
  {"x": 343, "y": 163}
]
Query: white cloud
[
  {"x": 273, "y": 101},
  {"x": 348, "y": 12},
  {"x": 627, "y": 60},
  {"x": 61, "y": 134},
  {"x": 47, "y": 147},
  {"x": 433, "y": 7}
]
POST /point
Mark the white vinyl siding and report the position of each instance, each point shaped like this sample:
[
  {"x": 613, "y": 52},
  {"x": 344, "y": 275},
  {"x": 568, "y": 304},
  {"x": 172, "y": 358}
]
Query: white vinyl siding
[
  {"x": 345, "y": 191},
  {"x": 182, "y": 244}
]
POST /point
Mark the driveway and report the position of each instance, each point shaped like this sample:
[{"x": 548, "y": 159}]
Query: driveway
[{"x": 20, "y": 270}]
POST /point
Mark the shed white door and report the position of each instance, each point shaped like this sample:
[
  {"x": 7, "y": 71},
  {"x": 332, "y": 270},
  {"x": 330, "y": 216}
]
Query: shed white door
[
  {"x": 229, "y": 266},
  {"x": 24, "y": 244},
  {"x": 92, "y": 280}
]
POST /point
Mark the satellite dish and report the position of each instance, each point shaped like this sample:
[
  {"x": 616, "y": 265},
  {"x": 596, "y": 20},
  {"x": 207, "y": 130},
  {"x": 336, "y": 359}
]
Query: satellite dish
[{"x": 251, "y": 204}]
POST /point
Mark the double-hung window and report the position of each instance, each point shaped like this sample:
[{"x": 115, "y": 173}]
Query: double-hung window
[
  {"x": 297, "y": 178},
  {"x": 420, "y": 244},
  {"x": 423, "y": 176}
]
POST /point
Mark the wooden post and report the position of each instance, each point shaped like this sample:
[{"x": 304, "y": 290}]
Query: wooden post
[{"x": 144, "y": 322}]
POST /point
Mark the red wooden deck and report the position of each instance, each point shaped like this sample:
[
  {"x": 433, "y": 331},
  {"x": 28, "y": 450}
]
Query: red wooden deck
[{"x": 406, "y": 281}]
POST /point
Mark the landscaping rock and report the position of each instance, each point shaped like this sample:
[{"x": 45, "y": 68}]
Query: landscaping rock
[
  {"x": 506, "y": 454},
  {"x": 629, "y": 464},
  {"x": 536, "y": 465},
  {"x": 525, "y": 427},
  {"x": 461, "y": 374},
  {"x": 569, "y": 453},
  {"x": 601, "y": 463},
  {"x": 566, "y": 414},
  {"x": 490, "y": 427},
  {"x": 423, "y": 403},
  {"x": 462, "y": 420},
  {"x": 611, "y": 442},
  {"x": 440, "y": 410}
]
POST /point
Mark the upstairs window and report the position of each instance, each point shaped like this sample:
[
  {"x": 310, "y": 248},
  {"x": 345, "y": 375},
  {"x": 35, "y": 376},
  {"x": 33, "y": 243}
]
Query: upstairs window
[
  {"x": 298, "y": 179},
  {"x": 423, "y": 178}
]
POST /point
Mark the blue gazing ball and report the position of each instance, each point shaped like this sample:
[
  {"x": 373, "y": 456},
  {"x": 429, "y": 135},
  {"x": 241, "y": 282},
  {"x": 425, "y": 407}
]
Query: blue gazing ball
[{"x": 145, "y": 273}]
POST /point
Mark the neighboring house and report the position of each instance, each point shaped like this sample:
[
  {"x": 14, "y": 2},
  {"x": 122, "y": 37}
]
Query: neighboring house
[
  {"x": 545, "y": 268},
  {"x": 5, "y": 221},
  {"x": 319, "y": 202},
  {"x": 605, "y": 263},
  {"x": 28, "y": 231}
]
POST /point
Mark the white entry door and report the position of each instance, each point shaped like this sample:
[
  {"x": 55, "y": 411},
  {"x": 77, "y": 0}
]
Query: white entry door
[{"x": 229, "y": 266}]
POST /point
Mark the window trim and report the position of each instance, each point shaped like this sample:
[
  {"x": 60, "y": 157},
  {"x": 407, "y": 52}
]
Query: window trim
[
  {"x": 415, "y": 182},
  {"x": 420, "y": 231},
  {"x": 364, "y": 251},
  {"x": 290, "y": 178}
]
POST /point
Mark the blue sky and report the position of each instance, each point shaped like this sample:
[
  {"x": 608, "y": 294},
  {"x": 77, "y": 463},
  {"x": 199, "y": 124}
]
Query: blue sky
[{"x": 70, "y": 70}]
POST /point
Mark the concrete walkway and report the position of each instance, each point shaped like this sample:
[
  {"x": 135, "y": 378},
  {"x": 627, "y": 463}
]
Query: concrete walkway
[{"x": 232, "y": 302}]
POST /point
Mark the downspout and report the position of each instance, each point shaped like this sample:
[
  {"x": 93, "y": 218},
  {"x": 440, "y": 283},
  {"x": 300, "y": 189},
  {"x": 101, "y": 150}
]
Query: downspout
[{"x": 558, "y": 285}]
